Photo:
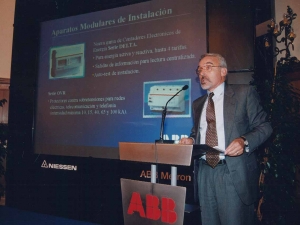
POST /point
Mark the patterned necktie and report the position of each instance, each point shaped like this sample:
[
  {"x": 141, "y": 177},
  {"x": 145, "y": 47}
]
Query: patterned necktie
[{"x": 211, "y": 133}]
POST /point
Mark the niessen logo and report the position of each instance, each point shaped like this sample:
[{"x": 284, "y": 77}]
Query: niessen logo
[{"x": 58, "y": 166}]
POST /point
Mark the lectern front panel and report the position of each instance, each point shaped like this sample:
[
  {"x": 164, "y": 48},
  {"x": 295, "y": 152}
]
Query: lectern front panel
[{"x": 147, "y": 203}]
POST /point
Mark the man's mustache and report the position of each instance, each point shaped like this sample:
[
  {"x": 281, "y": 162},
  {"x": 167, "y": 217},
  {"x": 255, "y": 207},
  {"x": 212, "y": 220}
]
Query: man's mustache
[{"x": 204, "y": 79}]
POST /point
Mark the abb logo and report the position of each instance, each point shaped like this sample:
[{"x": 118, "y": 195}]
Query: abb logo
[{"x": 153, "y": 212}]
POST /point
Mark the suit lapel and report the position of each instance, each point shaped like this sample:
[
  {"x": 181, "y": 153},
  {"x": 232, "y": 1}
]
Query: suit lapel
[{"x": 229, "y": 112}]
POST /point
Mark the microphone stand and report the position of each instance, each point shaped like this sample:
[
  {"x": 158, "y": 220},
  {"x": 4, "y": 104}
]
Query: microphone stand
[{"x": 163, "y": 116}]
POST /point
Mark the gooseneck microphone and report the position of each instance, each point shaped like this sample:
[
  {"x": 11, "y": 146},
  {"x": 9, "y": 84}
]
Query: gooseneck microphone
[{"x": 163, "y": 116}]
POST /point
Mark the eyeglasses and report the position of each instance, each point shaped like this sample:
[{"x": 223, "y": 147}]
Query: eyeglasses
[{"x": 207, "y": 68}]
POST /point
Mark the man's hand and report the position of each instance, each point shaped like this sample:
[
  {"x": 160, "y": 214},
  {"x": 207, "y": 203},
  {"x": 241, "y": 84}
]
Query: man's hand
[
  {"x": 235, "y": 148},
  {"x": 186, "y": 141}
]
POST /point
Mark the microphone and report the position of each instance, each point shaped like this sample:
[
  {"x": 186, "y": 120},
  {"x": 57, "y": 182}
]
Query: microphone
[
  {"x": 185, "y": 87},
  {"x": 163, "y": 116}
]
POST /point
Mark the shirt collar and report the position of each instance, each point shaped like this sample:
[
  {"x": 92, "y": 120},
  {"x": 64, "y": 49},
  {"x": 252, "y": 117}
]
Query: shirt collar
[{"x": 218, "y": 90}]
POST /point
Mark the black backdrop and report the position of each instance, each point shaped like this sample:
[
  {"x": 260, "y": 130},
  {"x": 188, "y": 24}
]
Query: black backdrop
[{"x": 91, "y": 193}]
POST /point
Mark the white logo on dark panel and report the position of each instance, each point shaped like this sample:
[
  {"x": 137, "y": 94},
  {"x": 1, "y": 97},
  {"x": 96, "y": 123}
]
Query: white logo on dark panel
[
  {"x": 44, "y": 164},
  {"x": 58, "y": 166}
]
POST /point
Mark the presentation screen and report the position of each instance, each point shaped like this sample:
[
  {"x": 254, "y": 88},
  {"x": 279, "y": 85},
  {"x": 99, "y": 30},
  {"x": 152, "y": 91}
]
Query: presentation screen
[{"x": 105, "y": 77}]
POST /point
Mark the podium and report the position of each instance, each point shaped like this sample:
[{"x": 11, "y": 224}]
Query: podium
[{"x": 149, "y": 202}]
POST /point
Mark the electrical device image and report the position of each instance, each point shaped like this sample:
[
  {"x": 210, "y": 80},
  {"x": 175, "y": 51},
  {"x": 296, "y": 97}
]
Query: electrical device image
[
  {"x": 160, "y": 94},
  {"x": 67, "y": 61}
]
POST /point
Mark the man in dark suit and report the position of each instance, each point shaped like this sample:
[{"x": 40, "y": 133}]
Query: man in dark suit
[{"x": 228, "y": 188}]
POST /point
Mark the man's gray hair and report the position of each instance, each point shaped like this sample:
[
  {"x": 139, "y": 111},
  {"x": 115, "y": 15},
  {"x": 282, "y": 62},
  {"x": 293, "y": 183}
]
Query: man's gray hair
[{"x": 221, "y": 59}]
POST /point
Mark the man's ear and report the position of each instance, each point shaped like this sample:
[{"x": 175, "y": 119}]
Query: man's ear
[{"x": 223, "y": 72}]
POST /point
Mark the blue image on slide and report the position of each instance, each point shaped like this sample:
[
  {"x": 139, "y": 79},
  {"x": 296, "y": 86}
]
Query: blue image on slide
[
  {"x": 67, "y": 62},
  {"x": 158, "y": 93}
]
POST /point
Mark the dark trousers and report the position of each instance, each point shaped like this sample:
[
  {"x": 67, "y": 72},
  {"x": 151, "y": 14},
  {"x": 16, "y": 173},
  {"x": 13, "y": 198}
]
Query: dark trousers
[{"x": 219, "y": 201}]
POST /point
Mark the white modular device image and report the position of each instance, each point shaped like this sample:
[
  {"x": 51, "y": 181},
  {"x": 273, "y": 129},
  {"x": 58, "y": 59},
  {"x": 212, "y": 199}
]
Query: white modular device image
[
  {"x": 67, "y": 61},
  {"x": 159, "y": 95}
]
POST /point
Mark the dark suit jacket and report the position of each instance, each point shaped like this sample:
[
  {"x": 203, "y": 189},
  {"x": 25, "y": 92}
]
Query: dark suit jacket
[{"x": 243, "y": 116}]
